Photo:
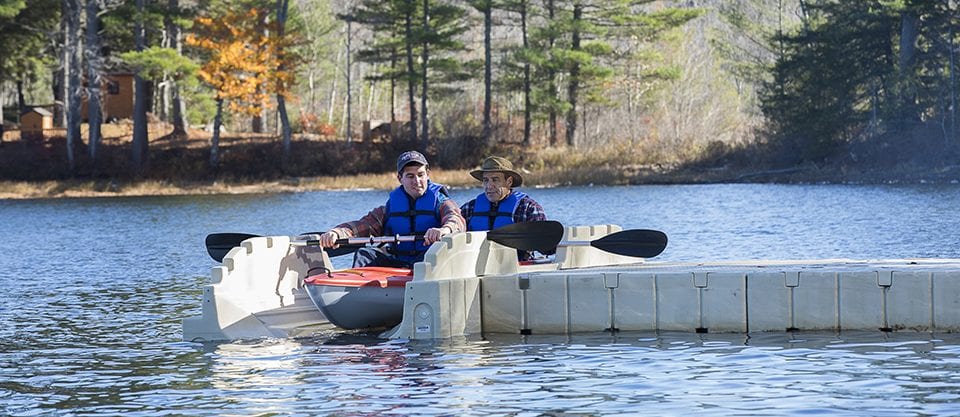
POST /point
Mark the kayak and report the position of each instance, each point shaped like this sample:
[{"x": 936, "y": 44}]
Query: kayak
[{"x": 360, "y": 298}]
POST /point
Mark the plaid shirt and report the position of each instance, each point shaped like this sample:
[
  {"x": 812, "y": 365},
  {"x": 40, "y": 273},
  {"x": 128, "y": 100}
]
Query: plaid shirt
[{"x": 373, "y": 223}]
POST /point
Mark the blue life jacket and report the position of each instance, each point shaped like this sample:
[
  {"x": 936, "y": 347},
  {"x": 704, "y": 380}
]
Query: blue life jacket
[
  {"x": 484, "y": 218},
  {"x": 407, "y": 216}
]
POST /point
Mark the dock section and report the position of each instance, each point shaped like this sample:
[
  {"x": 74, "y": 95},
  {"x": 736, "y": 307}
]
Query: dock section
[
  {"x": 885, "y": 295},
  {"x": 586, "y": 290}
]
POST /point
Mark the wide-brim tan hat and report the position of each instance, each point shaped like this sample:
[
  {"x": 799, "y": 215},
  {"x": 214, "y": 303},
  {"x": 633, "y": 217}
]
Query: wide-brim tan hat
[{"x": 497, "y": 164}]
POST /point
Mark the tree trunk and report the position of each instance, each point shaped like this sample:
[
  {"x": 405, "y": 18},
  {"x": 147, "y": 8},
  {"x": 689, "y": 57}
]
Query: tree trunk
[
  {"x": 411, "y": 74},
  {"x": 573, "y": 87},
  {"x": 909, "y": 32},
  {"x": 953, "y": 83},
  {"x": 393, "y": 92},
  {"x": 526, "y": 76},
  {"x": 94, "y": 81},
  {"x": 312, "y": 85},
  {"x": 59, "y": 84},
  {"x": 140, "y": 140},
  {"x": 179, "y": 111},
  {"x": 349, "y": 80},
  {"x": 215, "y": 138},
  {"x": 256, "y": 122},
  {"x": 487, "y": 69},
  {"x": 551, "y": 76},
  {"x": 373, "y": 94},
  {"x": 425, "y": 60},
  {"x": 74, "y": 87},
  {"x": 333, "y": 90},
  {"x": 21, "y": 99},
  {"x": 1, "y": 102},
  {"x": 285, "y": 131},
  {"x": 259, "y": 121}
]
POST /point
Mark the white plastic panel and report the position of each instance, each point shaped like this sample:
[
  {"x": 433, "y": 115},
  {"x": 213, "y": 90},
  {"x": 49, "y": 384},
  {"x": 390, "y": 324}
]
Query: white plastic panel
[
  {"x": 589, "y": 303},
  {"x": 547, "y": 304},
  {"x": 635, "y": 302},
  {"x": 815, "y": 301},
  {"x": 768, "y": 302},
  {"x": 502, "y": 304},
  {"x": 678, "y": 302},
  {"x": 724, "y": 302},
  {"x": 909, "y": 301},
  {"x": 861, "y": 301},
  {"x": 946, "y": 301}
]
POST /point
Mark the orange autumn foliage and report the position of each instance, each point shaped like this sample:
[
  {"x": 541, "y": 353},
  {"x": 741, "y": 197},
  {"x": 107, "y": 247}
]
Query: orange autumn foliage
[{"x": 246, "y": 64}]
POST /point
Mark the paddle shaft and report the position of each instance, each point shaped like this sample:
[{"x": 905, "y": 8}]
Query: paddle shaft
[
  {"x": 540, "y": 235},
  {"x": 360, "y": 241}
]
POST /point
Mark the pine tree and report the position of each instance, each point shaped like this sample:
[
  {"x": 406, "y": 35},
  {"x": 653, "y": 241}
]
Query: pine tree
[
  {"x": 575, "y": 44},
  {"x": 426, "y": 35},
  {"x": 834, "y": 77}
]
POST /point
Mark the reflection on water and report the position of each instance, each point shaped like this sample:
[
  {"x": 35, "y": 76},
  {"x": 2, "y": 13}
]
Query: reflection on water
[
  {"x": 95, "y": 290},
  {"x": 855, "y": 373}
]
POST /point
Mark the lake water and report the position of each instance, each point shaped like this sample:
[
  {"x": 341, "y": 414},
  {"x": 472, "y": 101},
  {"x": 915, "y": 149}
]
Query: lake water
[{"x": 94, "y": 291}]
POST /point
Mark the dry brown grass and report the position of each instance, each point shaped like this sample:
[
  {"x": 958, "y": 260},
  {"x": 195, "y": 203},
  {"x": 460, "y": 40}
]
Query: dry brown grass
[{"x": 117, "y": 188}]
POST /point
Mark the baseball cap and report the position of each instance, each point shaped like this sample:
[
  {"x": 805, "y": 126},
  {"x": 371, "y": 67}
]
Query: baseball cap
[{"x": 410, "y": 157}]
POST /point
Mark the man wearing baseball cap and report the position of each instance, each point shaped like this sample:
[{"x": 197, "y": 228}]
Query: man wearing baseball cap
[
  {"x": 499, "y": 204},
  {"x": 417, "y": 206}
]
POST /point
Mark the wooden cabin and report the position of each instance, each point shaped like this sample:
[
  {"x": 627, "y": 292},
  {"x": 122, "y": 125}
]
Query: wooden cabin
[
  {"x": 34, "y": 122},
  {"x": 117, "y": 94}
]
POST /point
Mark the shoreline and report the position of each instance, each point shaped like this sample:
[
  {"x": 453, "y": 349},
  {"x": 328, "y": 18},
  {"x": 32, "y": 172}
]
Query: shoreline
[
  {"x": 107, "y": 188},
  {"x": 457, "y": 179}
]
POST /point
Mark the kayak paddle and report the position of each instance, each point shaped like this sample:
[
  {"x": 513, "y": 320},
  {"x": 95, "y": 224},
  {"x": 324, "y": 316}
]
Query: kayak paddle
[
  {"x": 526, "y": 236},
  {"x": 638, "y": 243},
  {"x": 540, "y": 235}
]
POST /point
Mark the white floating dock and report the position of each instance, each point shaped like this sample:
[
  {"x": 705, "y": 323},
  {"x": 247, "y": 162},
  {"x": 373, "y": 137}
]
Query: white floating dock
[
  {"x": 889, "y": 295},
  {"x": 468, "y": 285}
]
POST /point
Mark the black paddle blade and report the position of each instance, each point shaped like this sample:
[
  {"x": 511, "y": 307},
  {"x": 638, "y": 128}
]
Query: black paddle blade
[
  {"x": 638, "y": 243},
  {"x": 218, "y": 244},
  {"x": 539, "y": 236}
]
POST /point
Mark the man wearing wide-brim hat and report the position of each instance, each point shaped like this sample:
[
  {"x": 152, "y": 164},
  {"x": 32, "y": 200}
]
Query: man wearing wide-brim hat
[{"x": 499, "y": 204}]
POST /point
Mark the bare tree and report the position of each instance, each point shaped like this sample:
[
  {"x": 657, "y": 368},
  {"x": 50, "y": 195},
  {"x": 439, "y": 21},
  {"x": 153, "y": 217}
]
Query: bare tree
[
  {"x": 486, "y": 8},
  {"x": 425, "y": 60},
  {"x": 72, "y": 51},
  {"x": 282, "y": 8},
  {"x": 94, "y": 80},
  {"x": 175, "y": 38},
  {"x": 140, "y": 140},
  {"x": 349, "y": 73},
  {"x": 410, "y": 9},
  {"x": 573, "y": 84},
  {"x": 526, "y": 75}
]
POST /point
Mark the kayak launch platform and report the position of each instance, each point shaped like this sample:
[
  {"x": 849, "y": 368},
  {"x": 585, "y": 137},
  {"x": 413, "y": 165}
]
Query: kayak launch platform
[{"x": 468, "y": 285}]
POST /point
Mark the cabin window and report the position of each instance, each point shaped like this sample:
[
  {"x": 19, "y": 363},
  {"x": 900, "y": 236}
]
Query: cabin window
[{"x": 113, "y": 88}]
